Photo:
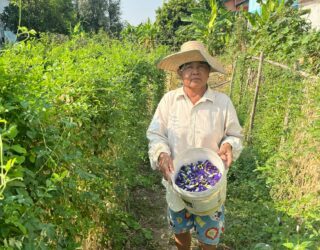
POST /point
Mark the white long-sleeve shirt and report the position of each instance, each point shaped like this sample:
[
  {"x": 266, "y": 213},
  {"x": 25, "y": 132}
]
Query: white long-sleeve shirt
[{"x": 178, "y": 125}]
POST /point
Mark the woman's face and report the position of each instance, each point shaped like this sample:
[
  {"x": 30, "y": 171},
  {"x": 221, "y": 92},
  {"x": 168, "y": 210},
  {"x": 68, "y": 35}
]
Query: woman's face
[{"x": 195, "y": 75}]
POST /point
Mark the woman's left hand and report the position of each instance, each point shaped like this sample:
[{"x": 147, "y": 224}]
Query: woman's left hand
[{"x": 225, "y": 153}]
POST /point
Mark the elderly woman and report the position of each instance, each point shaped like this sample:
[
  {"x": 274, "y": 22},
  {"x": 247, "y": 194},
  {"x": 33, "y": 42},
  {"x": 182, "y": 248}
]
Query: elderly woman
[{"x": 193, "y": 116}]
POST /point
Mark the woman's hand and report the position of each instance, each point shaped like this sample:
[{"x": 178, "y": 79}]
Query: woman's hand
[
  {"x": 225, "y": 153},
  {"x": 165, "y": 164}
]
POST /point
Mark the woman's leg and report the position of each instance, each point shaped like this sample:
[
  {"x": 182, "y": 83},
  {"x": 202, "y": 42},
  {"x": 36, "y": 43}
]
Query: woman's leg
[
  {"x": 183, "y": 241},
  {"x": 209, "y": 229},
  {"x": 181, "y": 223}
]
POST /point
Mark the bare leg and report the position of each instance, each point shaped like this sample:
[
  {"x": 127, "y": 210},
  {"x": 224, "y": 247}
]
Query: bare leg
[{"x": 183, "y": 241}]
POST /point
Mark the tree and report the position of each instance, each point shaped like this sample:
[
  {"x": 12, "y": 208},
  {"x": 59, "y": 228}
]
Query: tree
[
  {"x": 10, "y": 17},
  {"x": 59, "y": 16},
  {"x": 99, "y": 14},
  {"x": 114, "y": 14},
  {"x": 55, "y": 16},
  {"x": 209, "y": 22},
  {"x": 168, "y": 21},
  {"x": 145, "y": 34}
]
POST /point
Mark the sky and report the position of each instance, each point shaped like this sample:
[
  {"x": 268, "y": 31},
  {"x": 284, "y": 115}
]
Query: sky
[{"x": 138, "y": 11}]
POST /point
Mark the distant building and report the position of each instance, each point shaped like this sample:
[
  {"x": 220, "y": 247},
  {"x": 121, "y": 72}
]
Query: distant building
[
  {"x": 236, "y": 5},
  {"x": 314, "y": 15},
  {"x": 254, "y": 6}
]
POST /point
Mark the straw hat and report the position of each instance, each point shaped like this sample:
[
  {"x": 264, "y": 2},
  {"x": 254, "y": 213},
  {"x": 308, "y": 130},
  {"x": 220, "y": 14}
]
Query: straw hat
[{"x": 191, "y": 51}]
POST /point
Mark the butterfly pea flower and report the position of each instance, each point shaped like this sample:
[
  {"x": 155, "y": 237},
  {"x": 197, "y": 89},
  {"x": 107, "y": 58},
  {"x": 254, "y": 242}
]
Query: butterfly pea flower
[{"x": 198, "y": 177}]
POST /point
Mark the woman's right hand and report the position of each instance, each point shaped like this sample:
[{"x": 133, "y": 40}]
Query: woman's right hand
[{"x": 165, "y": 164}]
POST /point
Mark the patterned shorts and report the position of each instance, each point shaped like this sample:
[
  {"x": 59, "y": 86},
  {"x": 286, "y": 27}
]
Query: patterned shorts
[{"x": 208, "y": 228}]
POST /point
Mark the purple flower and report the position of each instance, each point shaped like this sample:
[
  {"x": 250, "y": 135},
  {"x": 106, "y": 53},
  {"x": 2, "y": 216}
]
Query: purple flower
[{"x": 197, "y": 177}]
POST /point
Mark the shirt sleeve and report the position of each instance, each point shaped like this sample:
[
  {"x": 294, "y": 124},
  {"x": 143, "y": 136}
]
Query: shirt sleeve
[
  {"x": 233, "y": 131},
  {"x": 157, "y": 133}
]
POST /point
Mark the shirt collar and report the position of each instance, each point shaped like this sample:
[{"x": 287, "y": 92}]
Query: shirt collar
[
  {"x": 208, "y": 95},
  {"x": 180, "y": 93}
]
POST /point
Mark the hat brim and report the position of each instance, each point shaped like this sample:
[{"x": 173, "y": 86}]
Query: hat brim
[{"x": 174, "y": 61}]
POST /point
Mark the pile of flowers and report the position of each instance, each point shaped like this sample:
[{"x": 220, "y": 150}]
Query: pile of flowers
[{"x": 198, "y": 177}]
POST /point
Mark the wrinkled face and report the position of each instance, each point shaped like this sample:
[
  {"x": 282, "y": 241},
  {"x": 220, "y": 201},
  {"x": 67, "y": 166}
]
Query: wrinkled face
[{"x": 194, "y": 75}]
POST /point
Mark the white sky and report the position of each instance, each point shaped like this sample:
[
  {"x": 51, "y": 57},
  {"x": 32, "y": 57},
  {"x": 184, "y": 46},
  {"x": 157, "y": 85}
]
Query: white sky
[
  {"x": 3, "y": 3},
  {"x": 138, "y": 11}
]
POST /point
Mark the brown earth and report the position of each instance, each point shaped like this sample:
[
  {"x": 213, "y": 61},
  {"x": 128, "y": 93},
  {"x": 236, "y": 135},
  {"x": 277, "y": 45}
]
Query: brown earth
[{"x": 151, "y": 211}]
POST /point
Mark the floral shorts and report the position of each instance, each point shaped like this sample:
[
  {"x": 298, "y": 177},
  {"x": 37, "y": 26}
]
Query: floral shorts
[{"x": 208, "y": 228}]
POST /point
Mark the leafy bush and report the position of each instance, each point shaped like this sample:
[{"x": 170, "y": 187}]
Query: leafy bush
[
  {"x": 285, "y": 139},
  {"x": 76, "y": 111}
]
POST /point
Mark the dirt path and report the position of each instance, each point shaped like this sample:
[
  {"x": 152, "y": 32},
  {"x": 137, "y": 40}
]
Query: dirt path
[
  {"x": 151, "y": 211},
  {"x": 152, "y": 215}
]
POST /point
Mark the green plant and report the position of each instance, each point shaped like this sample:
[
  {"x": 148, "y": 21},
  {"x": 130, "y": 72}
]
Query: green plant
[
  {"x": 144, "y": 33},
  {"x": 8, "y": 174},
  {"x": 211, "y": 25},
  {"x": 299, "y": 246},
  {"x": 169, "y": 20},
  {"x": 277, "y": 31},
  {"x": 76, "y": 103}
]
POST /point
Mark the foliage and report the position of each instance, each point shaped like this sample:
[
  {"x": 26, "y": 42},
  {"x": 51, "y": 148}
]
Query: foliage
[
  {"x": 251, "y": 214},
  {"x": 289, "y": 163},
  {"x": 169, "y": 19},
  {"x": 73, "y": 143},
  {"x": 77, "y": 134},
  {"x": 59, "y": 16},
  {"x": 309, "y": 53},
  {"x": 44, "y": 16},
  {"x": 281, "y": 33},
  {"x": 295, "y": 180},
  {"x": 284, "y": 134},
  {"x": 99, "y": 14},
  {"x": 145, "y": 34},
  {"x": 285, "y": 140},
  {"x": 15, "y": 159},
  {"x": 269, "y": 9},
  {"x": 211, "y": 25}
]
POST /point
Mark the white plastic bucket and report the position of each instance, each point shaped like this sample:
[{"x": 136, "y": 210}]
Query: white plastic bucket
[{"x": 210, "y": 200}]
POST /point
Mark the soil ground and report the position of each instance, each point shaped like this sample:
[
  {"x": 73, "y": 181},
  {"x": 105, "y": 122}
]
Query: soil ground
[{"x": 151, "y": 211}]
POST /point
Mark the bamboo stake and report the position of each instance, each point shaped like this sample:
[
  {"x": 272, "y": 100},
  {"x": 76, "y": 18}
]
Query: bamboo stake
[
  {"x": 249, "y": 78},
  {"x": 285, "y": 123},
  {"x": 302, "y": 73},
  {"x": 232, "y": 77},
  {"x": 255, "y": 99},
  {"x": 286, "y": 118},
  {"x": 220, "y": 84},
  {"x": 245, "y": 87}
]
